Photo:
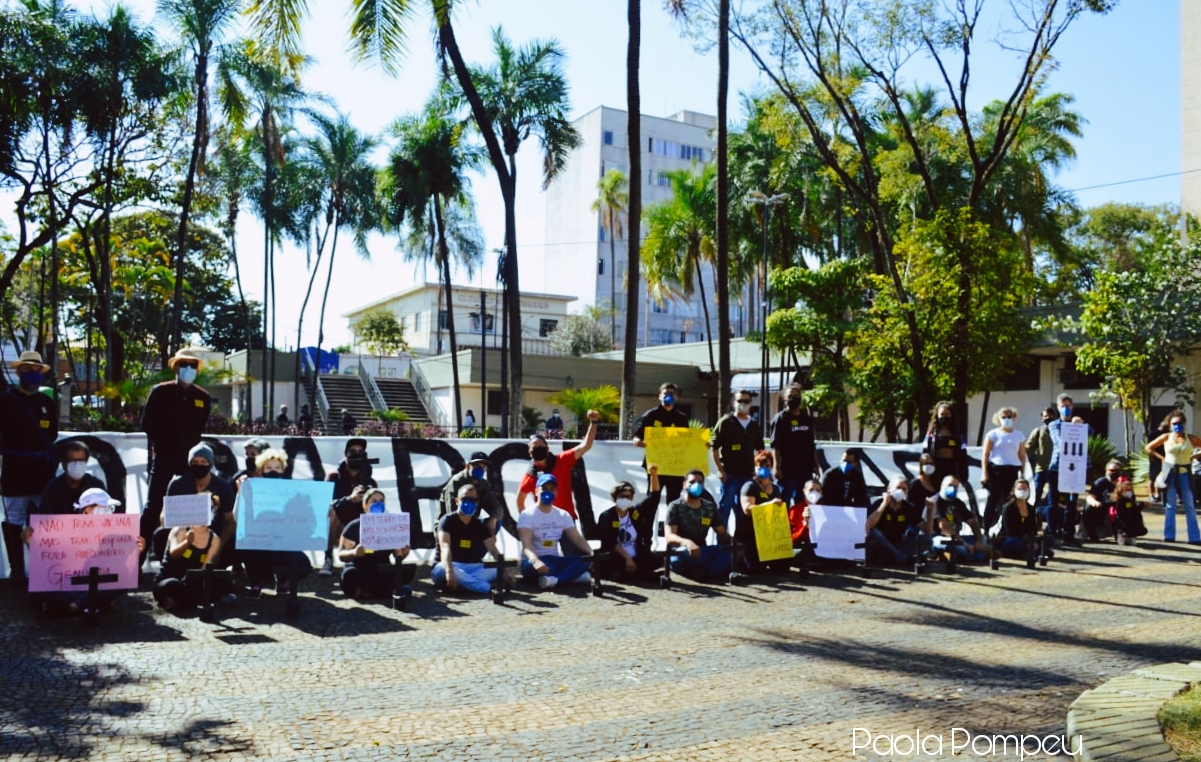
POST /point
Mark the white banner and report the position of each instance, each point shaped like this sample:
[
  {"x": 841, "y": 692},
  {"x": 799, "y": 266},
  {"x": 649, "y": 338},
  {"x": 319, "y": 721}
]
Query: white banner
[
  {"x": 384, "y": 531},
  {"x": 836, "y": 530},
  {"x": 187, "y": 510}
]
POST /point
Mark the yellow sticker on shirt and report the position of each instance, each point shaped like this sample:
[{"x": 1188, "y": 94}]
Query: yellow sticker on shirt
[
  {"x": 635, "y": 515},
  {"x": 548, "y": 543},
  {"x": 736, "y": 447},
  {"x": 204, "y": 557},
  {"x": 198, "y": 403},
  {"x": 617, "y": 525},
  {"x": 187, "y": 553},
  {"x": 45, "y": 424},
  {"x": 705, "y": 522},
  {"x": 464, "y": 543}
]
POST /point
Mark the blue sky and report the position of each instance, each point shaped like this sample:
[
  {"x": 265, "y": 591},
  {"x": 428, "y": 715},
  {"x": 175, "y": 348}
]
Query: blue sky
[{"x": 1123, "y": 68}]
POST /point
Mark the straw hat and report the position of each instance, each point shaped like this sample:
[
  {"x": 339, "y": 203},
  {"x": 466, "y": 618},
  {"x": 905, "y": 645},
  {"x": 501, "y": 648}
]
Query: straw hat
[
  {"x": 29, "y": 358},
  {"x": 184, "y": 355}
]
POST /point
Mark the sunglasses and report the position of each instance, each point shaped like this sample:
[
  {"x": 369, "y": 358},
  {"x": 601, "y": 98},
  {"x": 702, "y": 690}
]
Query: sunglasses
[{"x": 193, "y": 365}]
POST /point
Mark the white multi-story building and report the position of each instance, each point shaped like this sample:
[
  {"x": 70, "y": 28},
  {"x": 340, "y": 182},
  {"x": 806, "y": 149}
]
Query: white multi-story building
[
  {"x": 578, "y": 256},
  {"x": 1190, "y": 103}
]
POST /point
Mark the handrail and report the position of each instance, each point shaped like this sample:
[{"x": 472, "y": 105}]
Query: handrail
[
  {"x": 374, "y": 395},
  {"x": 320, "y": 401},
  {"x": 421, "y": 386}
]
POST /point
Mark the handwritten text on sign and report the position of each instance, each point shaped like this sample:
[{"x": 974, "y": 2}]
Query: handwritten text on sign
[
  {"x": 63, "y": 547},
  {"x": 677, "y": 451},
  {"x": 187, "y": 510},
  {"x": 384, "y": 531},
  {"x": 773, "y": 535},
  {"x": 283, "y": 514},
  {"x": 1073, "y": 458}
]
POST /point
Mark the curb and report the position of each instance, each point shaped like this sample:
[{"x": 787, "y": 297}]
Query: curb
[{"x": 1117, "y": 719}]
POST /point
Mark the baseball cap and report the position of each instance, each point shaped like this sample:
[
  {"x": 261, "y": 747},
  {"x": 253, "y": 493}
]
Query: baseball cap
[{"x": 547, "y": 479}]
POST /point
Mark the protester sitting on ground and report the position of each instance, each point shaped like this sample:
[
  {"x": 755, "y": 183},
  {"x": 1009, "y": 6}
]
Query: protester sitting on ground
[
  {"x": 689, "y": 519},
  {"x": 462, "y": 541},
  {"x": 92, "y": 501},
  {"x": 843, "y": 484},
  {"x": 64, "y": 490},
  {"x": 261, "y": 564},
  {"x": 475, "y": 473},
  {"x": 540, "y": 529},
  {"x": 893, "y": 527},
  {"x": 1126, "y": 513},
  {"x": 625, "y": 531},
  {"x": 200, "y": 478},
  {"x": 1019, "y": 522},
  {"x": 946, "y": 522},
  {"x": 191, "y": 548},
  {"x": 798, "y": 515},
  {"x": 250, "y": 470},
  {"x": 760, "y": 490},
  {"x": 369, "y": 573},
  {"x": 351, "y": 482},
  {"x": 543, "y": 462},
  {"x": 922, "y": 488},
  {"x": 1097, "y": 501}
]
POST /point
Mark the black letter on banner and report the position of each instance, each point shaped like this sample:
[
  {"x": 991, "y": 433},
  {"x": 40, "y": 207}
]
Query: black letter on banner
[
  {"x": 304, "y": 446},
  {"x": 110, "y": 462},
  {"x": 497, "y": 459},
  {"x": 224, "y": 462},
  {"x": 406, "y": 484}
]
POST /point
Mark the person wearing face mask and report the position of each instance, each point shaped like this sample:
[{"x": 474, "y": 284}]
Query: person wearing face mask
[
  {"x": 543, "y": 462},
  {"x": 1038, "y": 452},
  {"x": 1019, "y": 524},
  {"x": 28, "y": 428},
  {"x": 689, "y": 519},
  {"x": 200, "y": 477},
  {"x": 625, "y": 531},
  {"x": 1180, "y": 449},
  {"x": 250, "y": 470},
  {"x": 760, "y": 490},
  {"x": 1100, "y": 496},
  {"x": 1004, "y": 460},
  {"x": 794, "y": 446},
  {"x": 1126, "y": 513},
  {"x": 946, "y": 444},
  {"x": 945, "y": 521},
  {"x": 64, "y": 490},
  {"x": 261, "y": 564},
  {"x": 541, "y": 528},
  {"x": 734, "y": 441},
  {"x": 1060, "y": 509},
  {"x": 798, "y": 515},
  {"x": 462, "y": 541},
  {"x": 173, "y": 419},
  {"x": 475, "y": 473},
  {"x": 367, "y": 573},
  {"x": 893, "y": 527},
  {"x": 555, "y": 423},
  {"x": 190, "y": 549},
  {"x": 665, "y": 415},
  {"x": 923, "y": 487},
  {"x": 843, "y": 484},
  {"x": 351, "y": 482}
]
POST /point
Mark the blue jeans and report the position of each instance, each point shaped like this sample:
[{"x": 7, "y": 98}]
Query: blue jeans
[
  {"x": 730, "y": 490},
  {"x": 475, "y": 578},
  {"x": 713, "y": 562},
  {"x": 1050, "y": 480},
  {"x": 1013, "y": 547},
  {"x": 565, "y": 568},
  {"x": 881, "y": 550},
  {"x": 1179, "y": 485},
  {"x": 961, "y": 552}
]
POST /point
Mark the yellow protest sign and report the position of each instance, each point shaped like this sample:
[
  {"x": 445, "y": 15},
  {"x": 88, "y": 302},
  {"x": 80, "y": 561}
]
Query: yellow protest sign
[
  {"x": 773, "y": 536},
  {"x": 677, "y": 451}
]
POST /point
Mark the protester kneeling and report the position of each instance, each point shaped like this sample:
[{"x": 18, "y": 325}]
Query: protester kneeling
[
  {"x": 540, "y": 528},
  {"x": 191, "y": 549},
  {"x": 893, "y": 527},
  {"x": 368, "y": 573},
  {"x": 1019, "y": 524},
  {"x": 689, "y": 519},
  {"x": 625, "y": 531},
  {"x": 946, "y": 522},
  {"x": 1126, "y": 513},
  {"x": 462, "y": 541}
]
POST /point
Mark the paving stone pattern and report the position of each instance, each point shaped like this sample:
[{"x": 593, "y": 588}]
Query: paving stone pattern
[{"x": 779, "y": 670}]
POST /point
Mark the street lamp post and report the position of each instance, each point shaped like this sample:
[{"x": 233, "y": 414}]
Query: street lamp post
[{"x": 767, "y": 202}]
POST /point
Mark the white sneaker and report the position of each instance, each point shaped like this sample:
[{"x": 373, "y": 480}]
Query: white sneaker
[
  {"x": 546, "y": 581},
  {"x": 327, "y": 568},
  {"x": 583, "y": 579}
]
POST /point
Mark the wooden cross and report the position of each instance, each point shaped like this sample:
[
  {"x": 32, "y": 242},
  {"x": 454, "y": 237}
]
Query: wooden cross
[{"x": 93, "y": 579}]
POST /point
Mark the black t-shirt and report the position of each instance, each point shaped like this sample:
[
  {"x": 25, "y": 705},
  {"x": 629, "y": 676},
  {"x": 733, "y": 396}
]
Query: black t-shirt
[
  {"x": 793, "y": 439},
  {"x": 28, "y": 427},
  {"x": 918, "y": 494},
  {"x": 755, "y": 491},
  {"x": 185, "y": 484},
  {"x": 844, "y": 489},
  {"x": 736, "y": 444},
  {"x": 660, "y": 417},
  {"x": 60, "y": 498},
  {"x": 897, "y": 520},
  {"x": 372, "y": 558},
  {"x": 1102, "y": 489},
  {"x": 1014, "y": 525},
  {"x": 953, "y": 512},
  {"x": 174, "y": 418},
  {"x": 466, "y": 539}
]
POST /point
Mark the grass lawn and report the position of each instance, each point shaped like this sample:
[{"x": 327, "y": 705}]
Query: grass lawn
[{"x": 1181, "y": 721}]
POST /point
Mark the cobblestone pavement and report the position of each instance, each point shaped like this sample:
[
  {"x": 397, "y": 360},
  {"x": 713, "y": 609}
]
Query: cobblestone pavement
[{"x": 778, "y": 670}]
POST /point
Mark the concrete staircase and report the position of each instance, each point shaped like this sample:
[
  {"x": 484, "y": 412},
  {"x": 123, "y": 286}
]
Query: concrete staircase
[
  {"x": 399, "y": 394},
  {"x": 344, "y": 391}
]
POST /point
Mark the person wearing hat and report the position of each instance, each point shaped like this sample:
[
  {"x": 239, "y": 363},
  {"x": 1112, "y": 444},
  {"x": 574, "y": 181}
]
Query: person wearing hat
[
  {"x": 174, "y": 418},
  {"x": 28, "y": 428},
  {"x": 625, "y": 530},
  {"x": 282, "y": 419},
  {"x": 555, "y": 422},
  {"x": 474, "y": 473},
  {"x": 543, "y": 462},
  {"x": 64, "y": 490},
  {"x": 200, "y": 478},
  {"x": 351, "y": 482},
  {"x": 541, "y": 528},
  {"x": 462, "y": 541}
]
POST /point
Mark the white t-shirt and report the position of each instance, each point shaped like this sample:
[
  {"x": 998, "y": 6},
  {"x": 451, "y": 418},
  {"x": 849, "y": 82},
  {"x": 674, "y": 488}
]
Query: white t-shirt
[
  {"x": 548, "y": 527},
  {"x": 1005, "y": 447}
]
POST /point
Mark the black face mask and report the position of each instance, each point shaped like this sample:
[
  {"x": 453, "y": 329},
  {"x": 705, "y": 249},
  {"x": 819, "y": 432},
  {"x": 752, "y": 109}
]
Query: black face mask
[
  {"x": 793, "y": 403},
  {"x": 200, "y": 470},
  {"x": 249, "y": 463},
  {"x": 272, "y": 475},
  {"x": 539, "y": 453},
  {"x": 944, "y": 420}
]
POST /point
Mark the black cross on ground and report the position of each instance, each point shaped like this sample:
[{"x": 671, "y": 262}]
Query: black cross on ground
[{"x": 93, "y": 579}]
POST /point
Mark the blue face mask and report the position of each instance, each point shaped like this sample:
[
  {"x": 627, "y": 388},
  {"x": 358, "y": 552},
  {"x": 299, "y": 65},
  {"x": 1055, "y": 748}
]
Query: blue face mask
[
  {"x": 478, "y": 472},
  {"x": 1065, "y": 412},
  {"x": 1178, "y": 428},
  {"x": 950, "y": 492},
  {"x": 547, "y": 497},
  {"x": 376, "y": 507},
  {"x": 763, "y": 472},
  {"x": 468, "y": 507},
  {"x": 187, "y": 375},
  {"x": 696, "y": 489},
  {"x": 847, "y": 467},
  {"x": 31, "y": 379},
  {"x": 669, "y": 400}
]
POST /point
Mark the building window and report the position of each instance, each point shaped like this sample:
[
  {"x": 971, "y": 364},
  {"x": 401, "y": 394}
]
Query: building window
[
  {"x": 600, "y": 267},
  {"x": 608, "y": 137},
  {"x": 1076, "y": 379},
  {"x": 488, "y": 323},
  {"x": 416, "y": 321},
  {"x": 659, "y": 307},
  {"x": 600, "y": 233},
  {"x": 545, "y": 327},
  {"x": 1025, "y": 376},
  {"x": 443, "y": 322},
  {"x": 661, "y": 336},
  {"x": 496, "y": 402}
]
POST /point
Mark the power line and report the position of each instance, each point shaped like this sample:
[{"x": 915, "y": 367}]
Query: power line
[{"x": 1135, "y": 180}]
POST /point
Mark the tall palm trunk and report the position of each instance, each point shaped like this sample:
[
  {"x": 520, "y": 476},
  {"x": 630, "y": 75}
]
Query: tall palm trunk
[
  {"x": 612, "y": 280},
  {"x": 700, "y": 281},
  {"x": 198, "y": 142},
  {"x": 629, "y": 364},
  {"x": 723, "y": 203},
  {"x": 300, "y": 323},
  {"x": 267, "y": 202},
  {"x": 333, "y": 249},
  {"x": 444, "y": 258}
]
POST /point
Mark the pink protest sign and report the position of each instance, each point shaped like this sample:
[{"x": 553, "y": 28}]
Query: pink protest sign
[{"x": 64, "y": 546}]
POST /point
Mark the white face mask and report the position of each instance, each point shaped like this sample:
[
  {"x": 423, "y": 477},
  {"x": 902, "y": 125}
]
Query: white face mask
[
  {"x": 928, "y": 469},
  {"x": 813, "y": 496},
  {"x": 623, "y": 503},
  {"x": 1127, "y": 495},
  {"x": 1007, "y": 423},
  {"x": 76, "y": 469},
  {"x": 1021, "y": 494},
  {"x": 101, "y": 509},
  {"x": 898, "y": 495}
]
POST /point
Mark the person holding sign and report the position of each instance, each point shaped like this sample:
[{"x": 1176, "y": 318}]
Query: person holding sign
[
  {"x": 351, "y": 482},
  {"x": 540, "y": 530},
  {"x": 190, "y": 548},
  {"x": 1060, "y": 509},
  {"x": 689, "y": 519},
  {"x": 666, "y": 415},
  {"x": 64, "y": 490},
  {"x": 947, "y": 515},
  {"x": 761, "y": 490},
  {"x": 367, "y": 573},
  {"x": 261, "y": 564},
  {"x": 542, "y": 463},
  {"x": 462, "y": 541},
  {"x": 1179, "y": 451},
  {"x": 735, "y": 440},
  {"x": 893, "y": 527},
  {"x": 625, "y": 530},
  {"x": 199, "y": 479}
]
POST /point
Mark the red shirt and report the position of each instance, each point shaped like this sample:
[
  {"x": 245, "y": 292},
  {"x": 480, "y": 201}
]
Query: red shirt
[{"x": 564, "y": 462}]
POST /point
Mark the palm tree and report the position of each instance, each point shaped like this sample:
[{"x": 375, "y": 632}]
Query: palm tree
[
  {"x": 613, "y": 196},
  {"x": 201, "y": 23},
  {"x": 425, "y": 189},
  {"x": 629, "y": 360},
  {"x": 679, "y": 236}
]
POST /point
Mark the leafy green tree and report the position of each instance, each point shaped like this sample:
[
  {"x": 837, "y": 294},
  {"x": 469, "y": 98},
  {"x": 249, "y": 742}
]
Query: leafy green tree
[
  {"x": 382, "y": 334},
  {"x": 612, "y": 198},
  {"x": 605, "y": 400},
  {"x": 581, "y": 334}
]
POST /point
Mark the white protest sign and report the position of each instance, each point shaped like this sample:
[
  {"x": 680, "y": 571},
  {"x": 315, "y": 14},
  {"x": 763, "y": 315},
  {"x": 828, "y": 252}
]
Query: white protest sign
[
  {"x": 67, "y": 546},
  {"x": 836, "y": 530},
  {"x": 283, "y": 514},
  {"x": 187, "y": 510},
  {"x": 1073, "y": 458},
  {"x": 384, "y": 531}
]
